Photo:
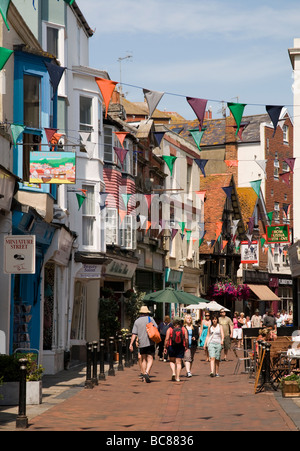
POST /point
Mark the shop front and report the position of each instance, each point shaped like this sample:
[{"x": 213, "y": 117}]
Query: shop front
[{"x": 118, "y": 277}]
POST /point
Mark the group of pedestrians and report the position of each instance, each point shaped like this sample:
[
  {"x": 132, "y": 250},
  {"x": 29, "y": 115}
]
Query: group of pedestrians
[{"x": 179, "y": 342}]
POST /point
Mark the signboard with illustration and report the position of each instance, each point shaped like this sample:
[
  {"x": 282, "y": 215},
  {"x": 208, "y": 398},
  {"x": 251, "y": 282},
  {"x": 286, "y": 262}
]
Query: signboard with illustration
[
  {"x": 53, "y": 167},
  {"x": 278, "y": 234},
  {"x": 19, "y": 254},
  {"x": 249, "y": 253}
]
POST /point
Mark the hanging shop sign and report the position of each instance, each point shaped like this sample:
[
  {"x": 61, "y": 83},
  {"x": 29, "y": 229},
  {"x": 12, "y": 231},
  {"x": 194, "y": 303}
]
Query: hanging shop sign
[
  {"x": 89, "y": 272},
  {"x": 278, "y": 234},
  {"x": 53, "y": 167},
  {"x": 120, "y": 269},
  {"x": 19, "y": 254},
  {"x": 249, "y": 253}
]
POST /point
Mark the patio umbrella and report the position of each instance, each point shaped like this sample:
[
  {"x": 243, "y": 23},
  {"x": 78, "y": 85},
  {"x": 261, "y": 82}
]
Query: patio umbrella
[
  {"x": 213, "y": 306},
  {"x": 200, "y": 306},
  {"x": 170, "y": 296}
]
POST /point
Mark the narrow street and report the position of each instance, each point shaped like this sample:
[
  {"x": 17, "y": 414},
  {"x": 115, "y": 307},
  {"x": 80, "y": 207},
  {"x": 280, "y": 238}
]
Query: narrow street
[{"x": 200, "y": 403}]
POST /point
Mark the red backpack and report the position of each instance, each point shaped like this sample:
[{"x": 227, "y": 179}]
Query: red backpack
[{"x": 177, "y": 336}]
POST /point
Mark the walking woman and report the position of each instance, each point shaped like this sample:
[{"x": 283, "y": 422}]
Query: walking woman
[
  {"x": 214, "y": 342},
  {"x": 176, "y": 344},
  {"x": 206, "y": 323},
  {"x": 193, "y": 336}
]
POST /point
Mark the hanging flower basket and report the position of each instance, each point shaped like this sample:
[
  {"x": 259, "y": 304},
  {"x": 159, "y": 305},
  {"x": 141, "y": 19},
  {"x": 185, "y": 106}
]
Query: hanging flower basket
[{"x": 230, "y": 290}]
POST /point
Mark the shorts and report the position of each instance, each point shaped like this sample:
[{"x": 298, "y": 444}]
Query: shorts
[
  {"x": 214, "y": 351},
  {"x": 238, "y": 334},
  {"x": 176, "y": 352},
  {"x": 189, "y": 354},
  {"x": 227, "y": 342},
  {"x": 147, "y": 350}
]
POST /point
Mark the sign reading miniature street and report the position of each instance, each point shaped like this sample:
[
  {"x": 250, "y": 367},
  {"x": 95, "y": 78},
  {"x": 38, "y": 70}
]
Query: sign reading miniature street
[
  {"x": 19, "y": 254},
  {"x": 278, "y": 234}
]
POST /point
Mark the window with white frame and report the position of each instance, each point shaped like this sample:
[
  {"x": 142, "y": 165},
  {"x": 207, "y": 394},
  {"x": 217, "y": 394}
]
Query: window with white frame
[
  {"x": 88, "y": 216},
  {"x": 109, "y": 143},
  {"x": 285, "y": 134},
  {"x": 112, "y": 226},
  {"x": 128, "y": 236},
  {"x": 276, "y": 169},
  {"x": 86, "y": 114},
  {"x": 128, "y": 161},
  {"x": 276, "y": 216}
]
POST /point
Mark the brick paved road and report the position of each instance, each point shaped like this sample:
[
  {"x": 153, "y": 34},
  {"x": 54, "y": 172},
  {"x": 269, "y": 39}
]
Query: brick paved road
[{"x": 200, "y": 403}]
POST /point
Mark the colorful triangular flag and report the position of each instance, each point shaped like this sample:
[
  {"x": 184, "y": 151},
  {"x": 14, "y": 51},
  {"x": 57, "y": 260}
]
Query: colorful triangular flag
[
  {"x": 274, "y": 112},
  {"x": 153, "y": 98},
  {"x": 121, "y": 153},
  {"x": 169, "y": 160},
  {"x": 256, "y": 186},
  {"x": 290, "y": 162},
  {"x": 16, "y": 131},
  {"x": 121, "y": 136},
  {"x": 4, "y": 5},
  {"x": 5, "y": 54},
  {"x": 197, "y": 136},
  {"x": 55, "y": 74},
  {"x": 199, "y": 107},
  {"x": 237, "y": 110},
  {"x": 80, "y": 199},
  {"x": 107, "y": 88},
  {"x": 201, "y": 163}
]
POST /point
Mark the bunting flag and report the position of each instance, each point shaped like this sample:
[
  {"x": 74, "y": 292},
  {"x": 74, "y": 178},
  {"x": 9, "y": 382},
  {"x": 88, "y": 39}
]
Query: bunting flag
[
  {"x": 126, "y": 198},
  {"x": 256, "y": 186},
  {"x": 169, "y": 160},
  {"x": 286, "y": 209},
  {"x": 121, "y": 153},
  {"x": 234, "y": 226},
  {"x": 153, "y": 98},
  {"x": 70, "y": 2},
  {"x": 103, "y": 197},
  {"x": 262, "y": 164},
  {"x": 274, "y": 113},
  {"x": 251, "y": 225},
  {"x": 219, "y": 225},
  {"x": 122, "y": 214},
  {"x": 182, "y": 236},
  {"x": 159, "y": 136},
  {"x": 201, "y": 163},
  {"x": 285, "y": 177},
  {"x": 199, "y": 107},
  {"x": 55, "y": 74},
  {"x": 149, "y": 198},
  {"x": 270, "y": 216},
  {"x": 89, "y": 146},
  {"x": 4, "y": 5},
  {"x": 237, "y": 110},
  {"x": 80, "y": 199},
  {"x": 50, "y": 132},
  {"x": 224, "y": 244},
  {"x": 5, "y": 54},
  {"x": 241, "y": 130},
  {"x": 232, "y": 163},
  {"x": 173, "y": 233},
  {"x": 290, "y": 162},
  {"x": 201, "y": 194},
  {"x": 182, "y": 226},
  {"x": 262, "y": 242},
  {"x": 228, "y": 191},
  {"x": 188, "y": 237},
  {"x": 16, "y": 131},
  {"x": 121, "y": 136},
  {"x": 197, "y": 136},
  {"x": 107, "y": 88}
]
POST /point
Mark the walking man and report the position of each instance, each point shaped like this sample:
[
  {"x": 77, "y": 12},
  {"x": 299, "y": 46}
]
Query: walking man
[
  {"x": 146, "y": 346},
  {"x": 227, "y": 326}
]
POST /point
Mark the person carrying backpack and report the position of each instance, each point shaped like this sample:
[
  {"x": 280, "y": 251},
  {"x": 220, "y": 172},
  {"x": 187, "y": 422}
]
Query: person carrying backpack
[{"x": 176, "y": 343}]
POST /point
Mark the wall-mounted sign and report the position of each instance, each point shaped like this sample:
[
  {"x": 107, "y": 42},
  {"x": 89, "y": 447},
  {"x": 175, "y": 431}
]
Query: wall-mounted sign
[
  {"x": 278, "y": 234},
  {"x": 89, "y": 272},
  {"x": 19, "y": 254},
  {"x": 53, "y": 167},
  {"x": 249, "y": 253}
]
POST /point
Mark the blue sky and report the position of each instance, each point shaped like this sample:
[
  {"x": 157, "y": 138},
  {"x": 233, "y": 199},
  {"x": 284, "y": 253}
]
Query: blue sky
[{"x": 218, "y": 50}]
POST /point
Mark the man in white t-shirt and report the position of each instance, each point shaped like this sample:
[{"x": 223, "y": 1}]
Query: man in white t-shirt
[{"x": 256, "y": 320}]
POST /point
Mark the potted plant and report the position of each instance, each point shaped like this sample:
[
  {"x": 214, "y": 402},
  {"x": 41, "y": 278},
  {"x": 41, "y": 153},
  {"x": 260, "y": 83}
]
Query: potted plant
[
  {"x": 290, "y": 386},
  {"x": 10, "y": 373}
]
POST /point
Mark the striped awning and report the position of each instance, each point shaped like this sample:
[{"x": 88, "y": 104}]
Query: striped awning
[{"x": 263, "y": 293}]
